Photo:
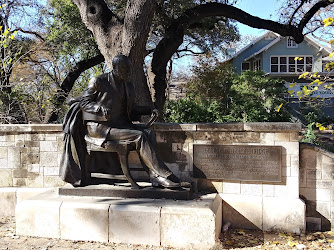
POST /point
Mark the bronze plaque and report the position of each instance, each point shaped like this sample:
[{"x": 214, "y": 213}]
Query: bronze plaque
[{"x": 238, "y": 162}]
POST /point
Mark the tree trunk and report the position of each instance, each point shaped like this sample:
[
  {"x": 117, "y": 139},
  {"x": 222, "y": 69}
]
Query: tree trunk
[{"x": 128, "y": 37}]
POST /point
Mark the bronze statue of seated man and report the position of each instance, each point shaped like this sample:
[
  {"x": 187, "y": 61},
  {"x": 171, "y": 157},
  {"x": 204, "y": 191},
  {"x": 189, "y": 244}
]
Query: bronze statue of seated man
[{"x": 107, "y": 107}]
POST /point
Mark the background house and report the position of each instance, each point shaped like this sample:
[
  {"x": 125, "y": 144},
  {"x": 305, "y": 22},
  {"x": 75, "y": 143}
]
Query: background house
[{"x": 277, "y": 57}]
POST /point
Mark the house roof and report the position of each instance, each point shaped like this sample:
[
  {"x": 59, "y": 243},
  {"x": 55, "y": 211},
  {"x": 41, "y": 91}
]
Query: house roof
[{"x": 325, "y": 50}]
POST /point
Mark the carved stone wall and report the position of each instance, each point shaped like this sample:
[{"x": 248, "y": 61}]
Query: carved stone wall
[{"x": 29, "y": 157}]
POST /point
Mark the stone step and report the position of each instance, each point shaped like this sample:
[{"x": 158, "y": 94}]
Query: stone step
[{"x": 161, "y": 222}]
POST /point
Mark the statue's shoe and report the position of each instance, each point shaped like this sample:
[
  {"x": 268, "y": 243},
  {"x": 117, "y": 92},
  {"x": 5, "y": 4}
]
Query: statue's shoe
[{"x": 164, "y": 182}]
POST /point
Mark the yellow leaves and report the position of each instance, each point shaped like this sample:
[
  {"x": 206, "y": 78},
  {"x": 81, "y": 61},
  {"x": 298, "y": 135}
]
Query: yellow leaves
[
  {"x": 297, "y": 58},
  {"x": 331, "y": 54},
  {"x": 328, "y": 21},
  {"x": 241, "y": 231},
  {"x": 292, "y": 243},
  {"x": 279, "y": 107},
  {"x": 304, "y": 75},
  {"x": 331, "y": 233},
  {"x": 292, "y": 85},
  {"x": 290, "y": 92},
  {"x": 321, "y": 127},
  {"x": 299, "y": 93}
]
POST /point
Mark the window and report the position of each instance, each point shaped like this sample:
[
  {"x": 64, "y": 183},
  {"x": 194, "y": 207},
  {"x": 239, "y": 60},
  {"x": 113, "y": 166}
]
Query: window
[
  {"x": 245, "y": 66},
  {"x": 257, "y": 65},
  {"x": 291, "y": 43},
  {"x": 291, "y": 64}
]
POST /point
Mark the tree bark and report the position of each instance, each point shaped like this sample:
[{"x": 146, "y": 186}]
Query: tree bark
[{"x": 128, "y": 37}]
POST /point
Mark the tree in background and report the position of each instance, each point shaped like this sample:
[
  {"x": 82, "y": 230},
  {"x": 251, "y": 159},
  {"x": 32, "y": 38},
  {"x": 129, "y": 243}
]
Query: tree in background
[
  {"x": 217, "y": 94},
  {"x": 128, "y": 34}
]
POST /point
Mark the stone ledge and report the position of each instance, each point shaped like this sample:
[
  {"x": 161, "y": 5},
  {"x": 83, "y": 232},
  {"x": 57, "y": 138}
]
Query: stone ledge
[
  {"x": 215, "y": 127},
  {"x": 12, "y": 128},
  {"x": 279, "y": 127}
]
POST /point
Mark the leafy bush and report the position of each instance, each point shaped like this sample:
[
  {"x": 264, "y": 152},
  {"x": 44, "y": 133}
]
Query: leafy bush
[{"x": 251, "y": 97}]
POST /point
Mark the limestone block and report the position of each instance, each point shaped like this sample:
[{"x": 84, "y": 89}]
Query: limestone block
[
  {"x": 20, "y": 173},
  {"x": 51, "y": 171},
  {"x": 323, "y": 194},
  {"x": 6, "y": 178},
  {"x": 284, "y": 215},
  {"x": 245, "y": 137},
  {"x": 289, "y": 188},
  {"x": 38, "y": 218},
  {"x": 30, "y": 158},
  {"x": 134, "y": 224},
  {"x": 294, "y": 162},
  {"x": 4, "y": 163},
  {"x": 302, "y": 178},
  {"x": 308, "y": 193},
  {"x": 34, "y": 137},
  {"x": 231, "y": 187},
  {"x": 294, "y": 136},
  {"x": 191, "y": 226},
  {"x": 7, "y": 201},
  {"x": 7, "y": 144},
  {"x": 292, "y": 148},
  {"x": 251, "y": 189},
  {"x": 242, "y": 211},
  {"x": 268, "y": 190},
  {"x": 50, "y": 137},
  {"x": 88, "y": 221},
  {"x": 327, "y": 172},
  {"x": 19, "y": 137},
  {"x": 327, "y": 160},
  {"x": 324, "y": 208},
  {"x": 48, "y": 146},
  {"x": 60, "y": 143},
  {"x": 14, "y": 157},
  {"x": 33, "y": 168},
  {"x": 19, "y": 182},
  {"x": 53, "y": 181},
  {"x": 282, "y": 137},
  {"x": 49, "y": 159},
  {"x": 35, "y": 180},
  {"x": 313, "y": 174},
  {"x": 26, "y": 193},
  {"x": 3, "y": 153},
  {"x": 308, "y": 159}
]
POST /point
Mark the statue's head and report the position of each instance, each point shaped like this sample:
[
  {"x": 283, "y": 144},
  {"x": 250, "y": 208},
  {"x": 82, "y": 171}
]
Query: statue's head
[{"x": 121, "y": 66}]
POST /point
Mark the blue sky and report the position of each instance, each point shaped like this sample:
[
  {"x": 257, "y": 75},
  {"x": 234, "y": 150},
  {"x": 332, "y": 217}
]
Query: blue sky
[{"x": 265, "y": 9}]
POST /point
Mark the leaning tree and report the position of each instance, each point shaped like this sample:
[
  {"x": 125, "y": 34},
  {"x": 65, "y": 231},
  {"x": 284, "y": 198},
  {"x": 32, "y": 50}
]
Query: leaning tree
[{"x": 129, "y": 34}]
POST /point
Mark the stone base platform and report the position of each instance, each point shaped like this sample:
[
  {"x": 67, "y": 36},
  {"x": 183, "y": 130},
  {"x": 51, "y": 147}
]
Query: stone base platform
[
  {"x": 161, "y": 222},
  {"x": 124, "y": 190}
]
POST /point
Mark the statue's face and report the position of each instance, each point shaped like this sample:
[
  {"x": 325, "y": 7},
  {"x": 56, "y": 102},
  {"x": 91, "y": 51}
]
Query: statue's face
[{"x": 122, "y": 69}]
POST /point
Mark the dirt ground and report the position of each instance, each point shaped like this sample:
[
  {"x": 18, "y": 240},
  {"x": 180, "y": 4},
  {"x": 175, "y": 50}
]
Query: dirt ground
[{"x": 232, "y": 239}]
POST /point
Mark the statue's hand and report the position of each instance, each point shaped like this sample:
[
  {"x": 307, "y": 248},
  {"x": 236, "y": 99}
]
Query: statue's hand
[{"x": 106, "y": 112}]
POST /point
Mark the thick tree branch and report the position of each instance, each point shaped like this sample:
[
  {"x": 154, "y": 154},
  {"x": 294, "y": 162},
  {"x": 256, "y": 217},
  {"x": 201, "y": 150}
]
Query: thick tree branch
[
  {"x": 69, "y": 81},
  {"x": 31, "y": 32}
]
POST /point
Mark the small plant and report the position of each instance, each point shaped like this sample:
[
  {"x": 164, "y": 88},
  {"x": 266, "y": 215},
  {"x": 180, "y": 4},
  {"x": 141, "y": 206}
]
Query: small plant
[{"x": 310, "y": 136}]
